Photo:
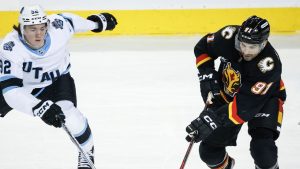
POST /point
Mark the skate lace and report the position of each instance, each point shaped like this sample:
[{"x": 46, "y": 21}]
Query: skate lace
[{"x": 82, "y": 162}]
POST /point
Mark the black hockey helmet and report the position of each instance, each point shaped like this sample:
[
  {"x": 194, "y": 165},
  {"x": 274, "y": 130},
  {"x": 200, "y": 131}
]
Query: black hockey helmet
[{"x": 254, "y": 30}]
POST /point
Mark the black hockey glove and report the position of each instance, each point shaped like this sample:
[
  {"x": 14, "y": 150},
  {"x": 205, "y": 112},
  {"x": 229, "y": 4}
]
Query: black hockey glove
[
  {"x": 208, "y": 83},
  {"x": 105, "y": 21},
  {"x": 49, "y": 112},
  {"x": 203, "y": 126}
]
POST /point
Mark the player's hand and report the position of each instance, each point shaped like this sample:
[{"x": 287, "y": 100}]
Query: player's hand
[
  {"x": 106, "y": 21},
  {"x": 50, "y": 113},
  {"x": 202, "y": 127},
  {"x": 210, "y": 88}
]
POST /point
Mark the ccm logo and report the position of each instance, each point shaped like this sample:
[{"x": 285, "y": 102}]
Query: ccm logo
[
  {"x": 210, "y": 122},
  {"x": 262, "y": 115},
  {"x": 45, "y": 106},
  {"x": 203, "y": 77}
]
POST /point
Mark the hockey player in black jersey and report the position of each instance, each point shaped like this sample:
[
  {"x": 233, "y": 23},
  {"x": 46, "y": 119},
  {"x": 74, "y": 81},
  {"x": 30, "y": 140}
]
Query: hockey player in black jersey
[{"x": 247, "y": 87}]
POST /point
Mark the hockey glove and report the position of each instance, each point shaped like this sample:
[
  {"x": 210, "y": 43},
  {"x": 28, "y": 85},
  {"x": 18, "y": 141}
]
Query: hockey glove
[
  {"x": 105, "y": 21},
  {"x": 50, "y": 113},
  {"x": 209, "y": 84},
  {"x": 203, "y": 126}
]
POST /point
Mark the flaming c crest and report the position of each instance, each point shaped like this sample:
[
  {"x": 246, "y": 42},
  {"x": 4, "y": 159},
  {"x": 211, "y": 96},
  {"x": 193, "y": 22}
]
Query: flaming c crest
[{"x": 231, "y": 79}]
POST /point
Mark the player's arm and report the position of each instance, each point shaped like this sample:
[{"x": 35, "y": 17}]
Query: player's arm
[
  {"x": 205, "y": 64},
  {"x": 206, "y": 51},
  {"x": 212, "y": 45},
  {"x": 12, "y": 87},
  {"x": 96, "y": 23},
  {"x": 19, "y": 98}
]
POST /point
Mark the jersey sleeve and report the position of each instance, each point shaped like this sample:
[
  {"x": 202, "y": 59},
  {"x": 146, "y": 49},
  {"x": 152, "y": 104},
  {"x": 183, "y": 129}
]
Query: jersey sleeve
[
  {"x": 11, "y": 82},
  {"x": 10, "y": 69},
  {"x": 210, "y": 46},
  {"x": 77, "y": 23},
  {"x": 204, "y": 52}
]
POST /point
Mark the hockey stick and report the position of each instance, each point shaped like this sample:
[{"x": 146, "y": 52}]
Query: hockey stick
[
  {"x": 78, "y": 146},
  {"x": 186, "y": 156},
  {"x": 188, "y": 151}
]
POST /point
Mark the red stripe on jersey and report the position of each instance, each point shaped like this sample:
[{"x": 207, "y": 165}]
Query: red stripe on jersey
[
  {"x": 233, "y": 116},
  {"x": 202, "y": 59}
]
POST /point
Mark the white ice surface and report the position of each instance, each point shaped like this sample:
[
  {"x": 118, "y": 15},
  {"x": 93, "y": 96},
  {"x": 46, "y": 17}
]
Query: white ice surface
[{"x": 139, "y": 93}]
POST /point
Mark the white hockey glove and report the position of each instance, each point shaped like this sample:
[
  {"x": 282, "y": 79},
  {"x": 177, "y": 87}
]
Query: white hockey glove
[
  {"x": 49, "y": 112},
  {"x": 105, "y": 21}
]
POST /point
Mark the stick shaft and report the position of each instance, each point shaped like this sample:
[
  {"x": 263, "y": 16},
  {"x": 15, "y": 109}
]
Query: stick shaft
[{"x": 188, "y": 151}]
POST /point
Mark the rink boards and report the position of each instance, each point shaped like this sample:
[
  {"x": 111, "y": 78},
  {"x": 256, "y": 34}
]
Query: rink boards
[{"x": 179, "y": 21}]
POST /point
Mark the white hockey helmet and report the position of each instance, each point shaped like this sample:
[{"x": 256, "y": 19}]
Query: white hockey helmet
[{"x": 32, "y": 15}]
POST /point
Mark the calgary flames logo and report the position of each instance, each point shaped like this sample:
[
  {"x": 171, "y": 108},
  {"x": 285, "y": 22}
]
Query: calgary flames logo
[{"x": 231, "y": 80}]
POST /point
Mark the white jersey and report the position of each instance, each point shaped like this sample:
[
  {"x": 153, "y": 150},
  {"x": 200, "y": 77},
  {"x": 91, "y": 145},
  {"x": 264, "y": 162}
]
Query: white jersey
[{"x": 38, "y": 68}]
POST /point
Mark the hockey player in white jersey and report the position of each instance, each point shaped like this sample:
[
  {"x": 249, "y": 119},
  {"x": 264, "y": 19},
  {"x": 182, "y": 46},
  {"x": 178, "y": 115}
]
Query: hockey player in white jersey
[{"x": 35, "y": 70}]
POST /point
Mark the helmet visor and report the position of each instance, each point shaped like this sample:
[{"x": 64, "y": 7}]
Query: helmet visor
[{"x": 249, "y": 51}]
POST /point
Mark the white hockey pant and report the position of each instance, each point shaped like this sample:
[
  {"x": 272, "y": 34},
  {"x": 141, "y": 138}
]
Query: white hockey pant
[{"x": 77, "y": 124}]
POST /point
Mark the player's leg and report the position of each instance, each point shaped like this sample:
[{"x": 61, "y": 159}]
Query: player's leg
[
  {"x": 65, "y": 97},
  {"x": 215, "y": 157},
  {"x": 63, "y": 93},
  {"x": 80, "y": 129},
  {"x": 264, "y": 129},
  {"x": 212, "y": 150},
  {"x": 263, "y": 148}
]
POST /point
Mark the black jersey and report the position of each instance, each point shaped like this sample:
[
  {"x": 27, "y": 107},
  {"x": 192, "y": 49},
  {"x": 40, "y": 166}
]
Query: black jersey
[{"x": 245, "y": 85}]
